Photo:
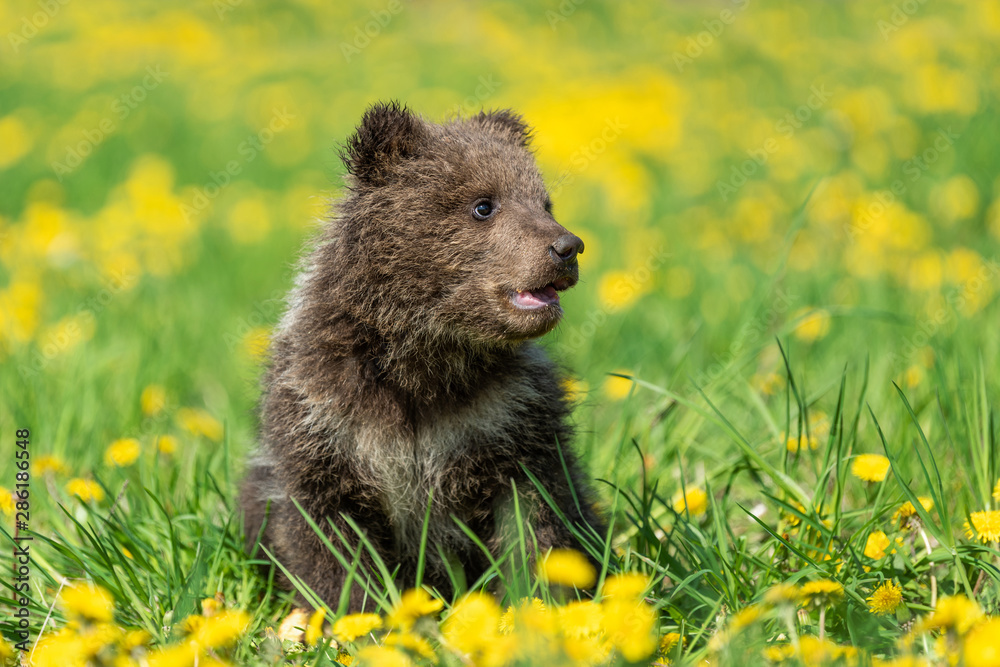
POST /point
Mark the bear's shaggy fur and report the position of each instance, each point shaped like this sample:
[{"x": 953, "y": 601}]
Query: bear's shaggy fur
[{"x": 404, "y": 365}]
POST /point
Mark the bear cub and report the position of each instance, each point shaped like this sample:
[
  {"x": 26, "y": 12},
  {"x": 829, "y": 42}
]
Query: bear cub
[{"x": 404, "y": 373}]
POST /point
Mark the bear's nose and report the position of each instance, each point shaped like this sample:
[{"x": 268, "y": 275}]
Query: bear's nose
[{"x": 566, "y": 248}]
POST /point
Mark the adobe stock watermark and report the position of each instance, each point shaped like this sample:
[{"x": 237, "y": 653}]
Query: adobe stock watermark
[
  {"x": 364, "y": 34},
  {"x": 223, "y": 7},
  {"x": 748, "y": 335},
  {"x": 122, "y": 108},
  {"x": 625, "y": 291},
  {"x": 955, "y": 300},
  {"x": 566, "y": 9},
  {"x": 58, "y": 341},
  {"x": 248, "y": 150},
  {"x": 914, "y": 168},
  {"x": 34, "y": 24},
  {"x": 900, "y": 16},
  {"x": 785, "y": 128},
  {"x": 487, "y": 86},
  {"x": 714, "y": 28},
  {"x": 584, "y": 156}
]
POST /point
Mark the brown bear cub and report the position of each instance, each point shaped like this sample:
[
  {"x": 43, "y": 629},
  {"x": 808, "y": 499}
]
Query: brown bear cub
[{"x": 404, "y": 367}]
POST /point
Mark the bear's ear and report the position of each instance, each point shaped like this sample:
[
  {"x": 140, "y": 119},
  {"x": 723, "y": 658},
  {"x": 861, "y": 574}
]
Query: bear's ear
[
  {"x": 508, "y": 123},
  {"x": 388, "y": 134}
]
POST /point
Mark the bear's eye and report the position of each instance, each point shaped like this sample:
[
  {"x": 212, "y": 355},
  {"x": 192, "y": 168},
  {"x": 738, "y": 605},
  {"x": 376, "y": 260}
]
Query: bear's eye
[{"x": 483, "y": 209}]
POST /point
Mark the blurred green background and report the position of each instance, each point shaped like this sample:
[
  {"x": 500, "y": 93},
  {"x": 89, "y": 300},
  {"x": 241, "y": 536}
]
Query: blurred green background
[{"x": 826, "y": 173}]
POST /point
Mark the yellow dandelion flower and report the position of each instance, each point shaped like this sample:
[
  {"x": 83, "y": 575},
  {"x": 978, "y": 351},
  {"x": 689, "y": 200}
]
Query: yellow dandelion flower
[
  {"x": 152, "y": 400},
  {"x": 85, "y": 489},
  {"x": 591, "y": 649},
  {"x": 617, "y": 290},
  {"x": 629, "y": 626},
  {"x": 795, "y": 445},
  {"x": 885, "y": 598},
  {"x": 64, "y": 648},
  {"x": 381, "y": 656},
  {"x": 191, "y": 624},
  {"x": 568, "y": 568},
  {"x": 19, "y": 304},
  {"x": 408, "y": 641},
  {"x": 88, "y": 602},
  {"x": 345, "y": 659},
  {"x": 876, "y": 545},
  {"x": 746, "y": 617},
  {"x": 822, "y": 592},
  {"x": 791, "y": 518},
  {"x": 769, "y": 383},
  {"x": 210, "y": 606},
  {"x": 122, "y": 453},
  {"x": 813, "y": 324},
  {"x": 534, "y": 619},
  {"x": 628, "y": 585},
  {"x": 981, "y": 646},
  {"x": 616, "y": 388},
  {"x": 314, "y": 629},
  {"x": 413, "y": 604},
  {"x": 816, "y": 651},
  {"x": 256, "y": 342},
  {"x": 907, "y": 511},
  {"x": 870, "y": 467},
  {"x": 48, "y": 463},
  {"x": 913, "y": 376},
  {"x": 668, "y": 642},
  {"x": 695, "y": 501},
  {"x": 221, "y": 629},
  {"x": 167, "y": 444},
  {"x": 783, "y": 594},
  {"x": 99, "y": 636},
  {"x": 134, "y": 639},
  {"x": 575, "y": 390},
  {"x": 352, "y": 626},
  {"x": 199, "y": 422},
  {"x": 6, "y": 652},
  {"x": 508, "y": 620},
  {"x": 15, "y": 140},
  {"x": 506, "y": 623},
  {"x": 6, "y": 501},
  {"x": 472, "y": 630},
  {"x": 779, "y": 652},
  {"x": 580, "y": 618},
  {"x": 984, "y": 526},
  {"x": 953, "y": 612},
  {"x": 185, "y": 653}
]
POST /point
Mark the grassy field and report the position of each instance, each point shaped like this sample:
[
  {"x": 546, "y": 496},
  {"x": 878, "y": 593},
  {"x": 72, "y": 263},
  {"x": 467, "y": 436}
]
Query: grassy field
[{"x": 784, "y": 341}]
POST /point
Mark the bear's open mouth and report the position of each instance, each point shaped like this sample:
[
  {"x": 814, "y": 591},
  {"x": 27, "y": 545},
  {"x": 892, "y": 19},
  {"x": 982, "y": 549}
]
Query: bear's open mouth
[{"x": 542, "y": 297}]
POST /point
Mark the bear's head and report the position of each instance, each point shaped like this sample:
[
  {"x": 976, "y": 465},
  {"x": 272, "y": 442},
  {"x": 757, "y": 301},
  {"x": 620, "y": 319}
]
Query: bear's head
[{"x": 449, "y": 228}]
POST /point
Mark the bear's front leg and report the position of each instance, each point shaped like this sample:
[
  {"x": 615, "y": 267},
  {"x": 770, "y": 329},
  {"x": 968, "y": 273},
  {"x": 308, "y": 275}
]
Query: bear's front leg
[
  {"x": 543, "y": 527},
  {"x": 301, "y": 550}
]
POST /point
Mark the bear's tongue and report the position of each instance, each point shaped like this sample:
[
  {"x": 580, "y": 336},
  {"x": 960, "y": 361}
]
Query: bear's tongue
[{"x": 538, "y": 298}]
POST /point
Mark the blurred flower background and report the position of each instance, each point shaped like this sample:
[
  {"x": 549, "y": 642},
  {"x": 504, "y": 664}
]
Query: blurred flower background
[
  {"x": 741, "y": 171},
  {"x": 141, "y": 143}
]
